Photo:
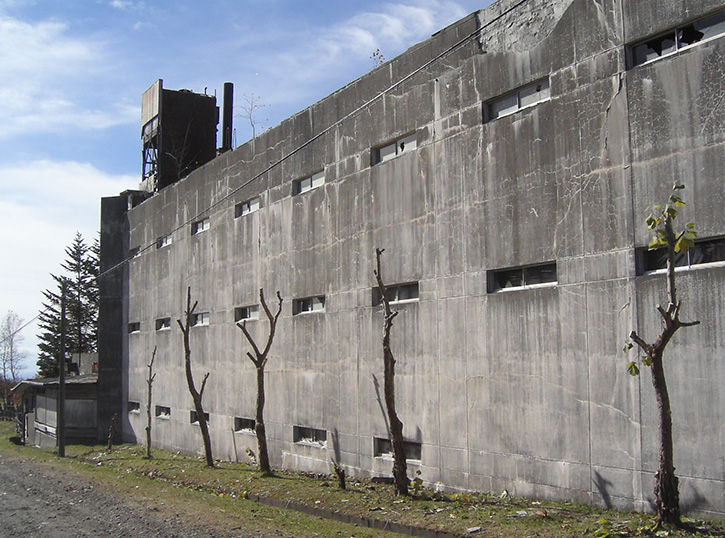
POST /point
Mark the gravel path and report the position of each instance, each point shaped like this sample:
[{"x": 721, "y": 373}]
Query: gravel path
[{"x": 37, "y": 501}]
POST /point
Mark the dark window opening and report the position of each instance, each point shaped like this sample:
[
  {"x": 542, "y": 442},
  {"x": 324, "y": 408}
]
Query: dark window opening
[
  {"x": 704, "y": 251},
  {"x": 194, "y": 417},
  {"x": 397, "y": 293},
  {"x": 162, "y": 411},
  {"x": 133, "y": 407},
  {"x": 384, "y": 447},
  {"x": 302, "y": 434},
  {"x": 163, "y": 323},
  {"x": 522, "y": 277},
  {"x": 308, "y": 304},
  {"x": 677, "y": 38},
  {"x": 246, "y": 312},
  {"x": 134, "y": 327},
  {"x": 242, "y": 424}
]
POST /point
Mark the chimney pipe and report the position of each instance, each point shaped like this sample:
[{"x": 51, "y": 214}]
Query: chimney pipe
[{"x": 227, "y": 117}]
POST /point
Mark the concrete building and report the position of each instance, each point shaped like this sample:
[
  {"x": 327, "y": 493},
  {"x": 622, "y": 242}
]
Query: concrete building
[{"x": 505, "y": 164}]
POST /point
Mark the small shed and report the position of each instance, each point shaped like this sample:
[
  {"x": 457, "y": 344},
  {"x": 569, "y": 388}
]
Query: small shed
[{"x": 40, "y": 405}]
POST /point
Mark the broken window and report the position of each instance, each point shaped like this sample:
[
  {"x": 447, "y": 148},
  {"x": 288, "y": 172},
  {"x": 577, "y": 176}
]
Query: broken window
[
  {"x": 243, "y": 424},
  {"x": 201, "y": 318},
  {"x": 402, "y": 145},
  {"x": 163, "y": 323},
  {"x": 522, "y": 97},
  {"x": 384, "y": 448},
  {"x": 194, "y": 417},
  {"x": 199, "y": 226},
  {"x": 246, "y": 312},
  {"x": 134, "y": 327},
  {"x": 164, "y": 241},
  {"x": 676, "y": 39},
  {"x": 162, "y": 412},
  {"x": 704, "y": 251},
  {"x": 397, "y": 293},
  {"x": 522, "y": 277},
  {"x": 308, "y": 183},
  {"x": 245, "y": 208},
  {"x": 308, "y": 304},
  {"x": 310, "y": 436},
  {"x": 133, "y": 407}
]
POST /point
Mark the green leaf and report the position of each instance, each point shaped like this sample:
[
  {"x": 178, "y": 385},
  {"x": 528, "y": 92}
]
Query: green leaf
[
  {"x": 690, "y": 225},
  {"x": 627, "y": 346},
  {"x": 655, "y": 243},
  {"x": 671, "y": 212},
  {"x": 633, "y": 369},
  {"x": 651, "y": 222},
  {"x": 683, "y": 243},
  {"x": 646, "y": 360}
]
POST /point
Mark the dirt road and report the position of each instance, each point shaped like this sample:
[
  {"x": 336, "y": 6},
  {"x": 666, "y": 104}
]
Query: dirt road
[{"x": 38, "y": 501}]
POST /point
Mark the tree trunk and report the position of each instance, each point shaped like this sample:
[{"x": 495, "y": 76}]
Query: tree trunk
[
  {"x": 400, "y": 466},
  {"x": 149, "y": 382},
  {"x": 667, "y": 497},
  {"x": 201, "y": 417},
  {"x": 259, "y": 424}
]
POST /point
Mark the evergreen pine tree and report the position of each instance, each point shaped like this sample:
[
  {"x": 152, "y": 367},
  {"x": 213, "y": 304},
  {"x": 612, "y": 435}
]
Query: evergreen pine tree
[{"x": 81, "y": 267}]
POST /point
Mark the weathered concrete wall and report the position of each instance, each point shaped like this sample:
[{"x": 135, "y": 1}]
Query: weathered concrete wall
[{"x": 524, "y": 389}]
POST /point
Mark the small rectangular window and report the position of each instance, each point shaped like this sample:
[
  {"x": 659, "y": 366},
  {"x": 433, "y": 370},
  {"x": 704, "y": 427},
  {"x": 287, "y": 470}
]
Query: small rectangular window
[
  {"x": 308, "y": 183},
  {"x": 523, "y": 97},
  {"x": 163, "y": 323},
  {"x": 679, "y": 38},
  {"x": 194, "y": 417},
  {"x": 309, "y": 436},
  {"x": 162, "y": 412},
  {"x": 405, "y": 144},
  {"x": 397, "y": 293},
  {"x": 384, "y": 448},
  {"x": 245, "y": 208},
  {"x": 134, "y": 327},
  {"x": 200, "y": 226},
  {"x": 246, "y": 312},
  {"x": 522, "y": 277},
  {"x": 242, "y": 424},
  {"x": 164, "y": 241},
  {"x": 133, "y": 407},
  {"x": 704, "y": 251},
  {"x": 308, "y": 304},
  {"x": 132, "y": 253},
  {"x": 201, "y": 318}
]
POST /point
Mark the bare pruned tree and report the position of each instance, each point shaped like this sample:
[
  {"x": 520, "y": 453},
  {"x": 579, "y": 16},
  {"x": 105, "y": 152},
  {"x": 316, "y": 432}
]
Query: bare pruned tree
[
  {"x": 10, "y": 354},
  {"x": 251, "y": 104},
  {"x": 400, "y": 468},
  {"x": 149, "y": 382},
  {"x": 196, "y": 395},
  {"x": 259, "y": 359},
  {"x": 660, "y": 223}
]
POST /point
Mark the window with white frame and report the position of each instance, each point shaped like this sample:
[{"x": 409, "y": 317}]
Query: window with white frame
[
  {"x": 682, "y": 37},
  {"x": 242, "y": 313},
  {"x": 705, "y": 251},
  {"x": 523, "y": 97},
  {"x": 200, "y": 226},
  {"x": 163, "y": 324},
  {"x": 199, "y": 319},
  {"x": 308, "y": 304},
  {"x": 397, "y": 293},
  {"x": 405, "y": 144},
  {"x": 164, "y": 241},
  {"x": 308, "y": 183},
  {"x": 245, "y": 208},
  {"x": 530, "y": 276}
]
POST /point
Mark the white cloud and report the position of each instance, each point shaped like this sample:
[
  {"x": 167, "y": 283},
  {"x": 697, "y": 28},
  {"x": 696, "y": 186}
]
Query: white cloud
[
  {"x": 325, "y": 51},
  {"x": 47, "y": 76},
  {"x": 42, "y": 205}
]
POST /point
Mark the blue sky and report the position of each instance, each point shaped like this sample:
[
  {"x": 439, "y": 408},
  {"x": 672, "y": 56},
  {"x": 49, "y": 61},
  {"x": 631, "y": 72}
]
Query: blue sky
[{"x": 72, "y": 75}]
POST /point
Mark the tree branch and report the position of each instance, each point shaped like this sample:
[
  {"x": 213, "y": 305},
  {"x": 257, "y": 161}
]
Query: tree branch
[
  {"x": 243, "y": 325},
  {"x": 689, "y": 323},
  {"x": 639, "y": 341},
  {"x": 203, "y": 385}
]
